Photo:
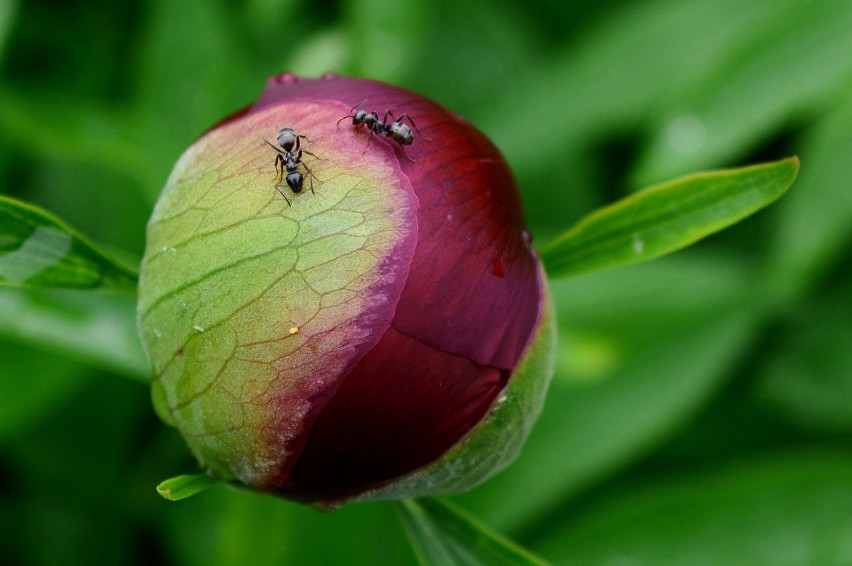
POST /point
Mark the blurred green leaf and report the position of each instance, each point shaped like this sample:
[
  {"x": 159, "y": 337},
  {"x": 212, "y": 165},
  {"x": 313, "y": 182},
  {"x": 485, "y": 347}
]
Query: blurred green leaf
[
  {"x": 794, "y": 509},
  {"x": 102, "y": 203},
  {"x": 615, "y": 72},
  {"x": 444, "y": 535},
  {"x": 482, "y": 71},
  {"x": 808, "y": 374},
  {"x": 227, "y": 527},
  {"x": 95, "y": 328},
  {"x": 181, "y": 487},
  {"x": 814, "y": 222},
  {"x": 39, "y": 250},
  {"x": 7, "y": 18},
  {"x": 176, "y": 106},
  {"x": 264, "y": 18},
  {"x": 601, "y": 86},
  {"x": 666, "y": 217},
  {"x": 789, "y": 75},
  {"x": 75, "y": 130},
  {"x": 661, "y": 338},
  {"x": 321, "y": 53},
  {"x": 376, "y": 24},
  {"x": 88, "y": 512},
  {"x": 32, "y": 384}
]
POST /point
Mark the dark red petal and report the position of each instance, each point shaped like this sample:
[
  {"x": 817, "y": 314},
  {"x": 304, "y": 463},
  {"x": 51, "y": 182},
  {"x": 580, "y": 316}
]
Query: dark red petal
[{"x": 391, "y": 416}]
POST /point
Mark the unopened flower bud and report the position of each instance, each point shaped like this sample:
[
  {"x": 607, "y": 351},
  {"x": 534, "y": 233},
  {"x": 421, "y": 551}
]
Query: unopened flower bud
[{"x": 350, "y": 309}]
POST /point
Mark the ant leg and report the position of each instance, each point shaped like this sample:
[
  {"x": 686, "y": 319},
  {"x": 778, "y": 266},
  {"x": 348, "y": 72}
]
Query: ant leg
[
  {"x": 407, "y": 117},
  {"x": 279, "y": 168},
  {"x": 278, "y": 188},
  {"x": 311, "y": 175},
  {"x": 279, "y": 160},
  {"x": 311, "y": 154},
  {"x": 410, "y": 121}
]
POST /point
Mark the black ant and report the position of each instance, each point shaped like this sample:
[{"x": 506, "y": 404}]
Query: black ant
[
  {"x": 396, "y": 130},
  {"x": 288, "y": 161}
]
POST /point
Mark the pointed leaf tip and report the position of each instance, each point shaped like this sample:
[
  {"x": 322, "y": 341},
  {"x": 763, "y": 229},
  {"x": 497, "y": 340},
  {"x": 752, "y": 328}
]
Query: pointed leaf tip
[
  {"x": 181, "y": 487},
  {"x": 667, "y": 217}
]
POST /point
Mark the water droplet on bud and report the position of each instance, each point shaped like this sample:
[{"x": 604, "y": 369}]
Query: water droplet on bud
[{"x": 286, "y": 78}]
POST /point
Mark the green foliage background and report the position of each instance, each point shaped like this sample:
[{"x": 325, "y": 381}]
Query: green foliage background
[{"x": 702, "y": 406}]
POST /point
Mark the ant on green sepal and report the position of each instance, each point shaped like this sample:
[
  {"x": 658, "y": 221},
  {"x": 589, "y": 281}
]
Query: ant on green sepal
[{"x": 287, "y": 161}]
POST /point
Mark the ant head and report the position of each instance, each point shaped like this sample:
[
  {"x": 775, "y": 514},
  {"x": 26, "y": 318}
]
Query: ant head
[
  {"x": 359, "y": 117},
  {"x": 287, "y": 138}
]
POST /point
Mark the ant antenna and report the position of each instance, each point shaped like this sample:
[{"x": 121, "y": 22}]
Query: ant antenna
[{"x": 352, "y": 111}]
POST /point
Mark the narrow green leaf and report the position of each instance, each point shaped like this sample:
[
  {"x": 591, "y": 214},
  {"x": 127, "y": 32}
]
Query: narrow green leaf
[
  {"x": 37, "y": 249},
  {"x": 667, "y": 217},
  {"x": 181, "y": 487},
  {"x": 444, "y": 535}
]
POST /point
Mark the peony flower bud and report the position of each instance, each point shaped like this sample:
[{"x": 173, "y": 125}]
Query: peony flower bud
[{"x": 383, "y": 332}]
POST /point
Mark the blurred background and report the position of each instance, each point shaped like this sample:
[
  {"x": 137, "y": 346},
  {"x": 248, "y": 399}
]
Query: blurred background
[{"x": 701, "y": 412}]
